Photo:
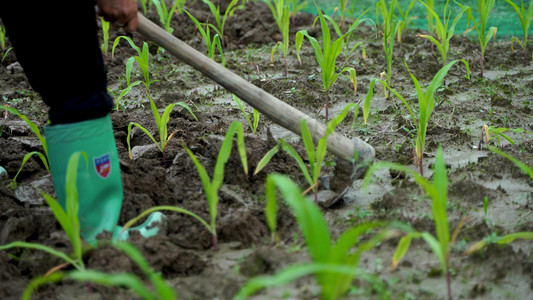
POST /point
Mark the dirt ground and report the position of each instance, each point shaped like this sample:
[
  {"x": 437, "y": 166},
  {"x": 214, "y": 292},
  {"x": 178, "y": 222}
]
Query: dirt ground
[{"x": 183, "y": 253}]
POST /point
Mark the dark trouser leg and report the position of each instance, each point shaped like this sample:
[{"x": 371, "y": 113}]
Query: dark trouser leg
[{"x": 56, "y": 43}]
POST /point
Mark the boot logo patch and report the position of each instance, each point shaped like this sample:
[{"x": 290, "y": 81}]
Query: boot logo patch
[{"x": 102, "y": 165}]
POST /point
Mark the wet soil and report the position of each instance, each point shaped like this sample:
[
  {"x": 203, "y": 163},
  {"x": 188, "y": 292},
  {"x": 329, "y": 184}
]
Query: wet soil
[{"x": 183, "y": 253}]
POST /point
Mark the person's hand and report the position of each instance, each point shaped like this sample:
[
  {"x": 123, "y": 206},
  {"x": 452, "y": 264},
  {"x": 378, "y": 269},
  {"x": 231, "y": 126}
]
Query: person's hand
[{"x": 120, "y": 13}]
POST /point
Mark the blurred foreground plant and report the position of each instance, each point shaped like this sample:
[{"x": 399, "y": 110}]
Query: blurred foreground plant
[
  {"x": 159, "y": 290},
  {"x": 335, "y": 264}
]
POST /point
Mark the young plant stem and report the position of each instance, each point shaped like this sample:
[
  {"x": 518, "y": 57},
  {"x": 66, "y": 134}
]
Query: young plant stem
[
  {"x": 215, "y": 247},
  {"x": 327, "y": 104},
  {"x": 287, "y": 66},
  {"x": 481, "y": 59},
  {"x": 525, "y": 55}
]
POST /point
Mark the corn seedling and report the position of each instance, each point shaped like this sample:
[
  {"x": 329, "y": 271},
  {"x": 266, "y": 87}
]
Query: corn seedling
[
  {"x": 142, "y": 59},
  {"x": 281, "y": 11},
  {"x": 390, "y": 28},
  {"x": 255, "y": 115},
  {"x": 346, "y": 252},
  {"x": 492, "y": 133},
  {"x": 443, "y": 30},
  {"x": 326, "y": 55},
  {"x": 314, "y": 156},
  {"x": 404, "y": 23},
  {"x": 67, "y": 218},
  {"x": 484, "y": 36},
  {"x": 161, "y": 120},
  {"x": 160, "y": 290},
  {"x": 438, "y": 192},
  {"x": 525, "y": 16},
  {"x": 37, "y": 132},
  {"x": 426, "y": 104},
  {"x": 165, "y": 14},
  {"x": 211, "y": 43},
  {"x": 211, "y": 186},
  {"x": 221, "y": 20},
  {"x": 105, "y": 36}
]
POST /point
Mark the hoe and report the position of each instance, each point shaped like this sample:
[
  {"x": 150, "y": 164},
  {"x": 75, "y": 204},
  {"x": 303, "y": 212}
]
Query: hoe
[{"x": 355, "y": 155}]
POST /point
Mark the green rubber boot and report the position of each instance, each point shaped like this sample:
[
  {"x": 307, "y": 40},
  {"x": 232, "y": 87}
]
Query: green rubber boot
[{"x": 100, "y": 190}]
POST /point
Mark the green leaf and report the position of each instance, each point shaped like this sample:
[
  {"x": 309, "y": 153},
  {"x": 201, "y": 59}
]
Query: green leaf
[
  {"x": 368, "y": 100},
  {"x": 435, "y": 246},
  {"x": 509, "y": 238},
  {"x": 72, "y": 205},
  {"x": 294, "y": 272},
  {"x": 308, "y": 141},
  {"x": 143, "y": 130},
  {"x": 241, "y": 107},
  {"x": 164, "y": 291},
  {"x": 439, "y": 202},
  {"x": 39, "y": 281},
  {"x": 292, "y": 153},
  {"x": 40, "y": 247},
  {"x": 266, "y": 159},
  {"x": 115, "y": 279},
  {"x": 403, "y": 246},
  {"x": 309, "y": 218},
  {"x": 25, "y": 160}
]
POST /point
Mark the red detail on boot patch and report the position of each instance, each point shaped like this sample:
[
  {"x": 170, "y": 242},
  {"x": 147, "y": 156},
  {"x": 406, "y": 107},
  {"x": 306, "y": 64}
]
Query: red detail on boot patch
[{"x": 102, "y": 165}]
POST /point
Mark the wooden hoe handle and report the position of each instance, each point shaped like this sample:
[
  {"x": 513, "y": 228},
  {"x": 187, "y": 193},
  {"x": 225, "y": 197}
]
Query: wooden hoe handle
[{"x": 277, "y": 110}]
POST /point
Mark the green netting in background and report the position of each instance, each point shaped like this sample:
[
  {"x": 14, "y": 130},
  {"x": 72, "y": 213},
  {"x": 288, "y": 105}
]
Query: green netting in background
[{"x": 502, "y": 15}]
